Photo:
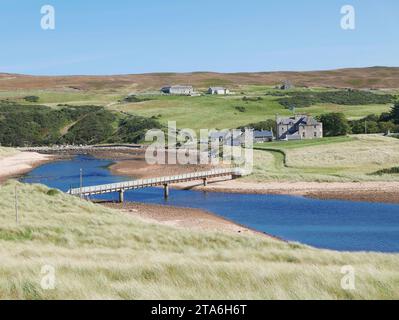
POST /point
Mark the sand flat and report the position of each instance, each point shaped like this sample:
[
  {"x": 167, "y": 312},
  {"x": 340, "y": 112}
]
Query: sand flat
[{"x": 20, "y": 163}]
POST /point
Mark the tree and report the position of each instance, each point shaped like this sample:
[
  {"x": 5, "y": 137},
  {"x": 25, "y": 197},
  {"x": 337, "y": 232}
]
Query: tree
[
  {"x": 395, "y": 113},
  {"x": 388, "y": 126},
  {"x": 372, "y": 127},
  {"x": 334, "y": 124},
  {"x": 357, "y": 126},
  {"x": 268, "y": 124},
  {"x": 385, "y": 116}
]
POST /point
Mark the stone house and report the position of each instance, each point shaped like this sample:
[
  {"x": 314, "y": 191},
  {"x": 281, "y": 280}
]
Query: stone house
[{"x": 299, "y": 127}]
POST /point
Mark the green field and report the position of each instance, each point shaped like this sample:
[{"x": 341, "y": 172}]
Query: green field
[
  {"x": 221, "y": 112},
  {"x": 197, "y": 112},
  {"x": 352, "y": 158},
  {"x": 99, "y": 253},
  {"x": 52, "y": 98}
]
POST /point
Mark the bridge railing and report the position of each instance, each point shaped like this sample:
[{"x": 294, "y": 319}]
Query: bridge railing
[{"x": 152, "y": 181}]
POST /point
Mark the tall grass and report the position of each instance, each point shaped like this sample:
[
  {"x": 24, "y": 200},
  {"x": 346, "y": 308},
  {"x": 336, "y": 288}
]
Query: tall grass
[
  {"x": 99, "y": 253},
  {"x": 330, "y": 159}
]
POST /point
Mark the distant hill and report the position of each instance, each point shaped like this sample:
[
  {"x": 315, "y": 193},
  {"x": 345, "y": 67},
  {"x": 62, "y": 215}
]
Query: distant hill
[{"x": 374, "y": 77}]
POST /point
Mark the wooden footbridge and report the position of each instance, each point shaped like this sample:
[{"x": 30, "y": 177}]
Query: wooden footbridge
[{"x": 121, "y": 187}]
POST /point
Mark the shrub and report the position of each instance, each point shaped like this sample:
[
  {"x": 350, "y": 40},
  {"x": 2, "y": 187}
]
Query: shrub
[
  {"x": 42, "y": 125},
  {"x": 134, "y": 128},
  {"x": 32, "y": 99},
  {"x": 334, "y": 124},
  {"x": 135, "y": 99},
  {"x": 262, "y": 125},
  {"x": 53, "y": 192},
  {"x": 348, "y": 97},
  {"x": 240, "y": 109},
  {"x": 254, "y": 99},
  {"x": 395, "y": 113},
  {"x": 394, "y": 170}
]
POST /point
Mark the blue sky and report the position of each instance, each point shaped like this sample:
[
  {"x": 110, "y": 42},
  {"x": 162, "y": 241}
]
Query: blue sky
[{"x": 121, "y": 36}]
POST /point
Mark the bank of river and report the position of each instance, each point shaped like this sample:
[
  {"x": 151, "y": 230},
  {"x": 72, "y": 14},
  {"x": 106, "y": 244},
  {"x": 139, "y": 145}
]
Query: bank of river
[
  {"x": 18, "y": 163},
  {"x": 339, "y": 225}
]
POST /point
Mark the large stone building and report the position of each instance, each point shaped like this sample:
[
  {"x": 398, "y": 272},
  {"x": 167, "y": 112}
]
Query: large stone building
[
  {"x": 298, "y": 128},
  {"x": 178, "y": 90}
]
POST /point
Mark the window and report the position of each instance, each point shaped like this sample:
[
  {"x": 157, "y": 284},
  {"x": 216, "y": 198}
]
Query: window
[
  {"x": 315, "y": 134},
  {"x": 303, "y": 134}
]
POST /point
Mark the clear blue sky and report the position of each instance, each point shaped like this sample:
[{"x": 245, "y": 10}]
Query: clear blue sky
[{"x": 131, "y": 36}]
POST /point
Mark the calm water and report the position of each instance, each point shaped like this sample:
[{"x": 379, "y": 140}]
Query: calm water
[{"x": 339, "y": 225}]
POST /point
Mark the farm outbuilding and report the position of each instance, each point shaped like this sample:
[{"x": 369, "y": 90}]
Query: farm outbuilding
[
  {"x": 263, "y": 136},
  {"x": 218, "y": 90},
  {"x": 178, "y": 90}
]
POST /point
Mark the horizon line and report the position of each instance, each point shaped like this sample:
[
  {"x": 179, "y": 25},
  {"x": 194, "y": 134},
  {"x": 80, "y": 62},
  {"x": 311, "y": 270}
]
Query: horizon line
[{"x": 193, "y": 72}]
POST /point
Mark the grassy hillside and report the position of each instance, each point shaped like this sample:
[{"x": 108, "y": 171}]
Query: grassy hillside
[
  {"x": 234, "y": 111},
  {"x": 250, "y": 103},
  {"x": 25, "y": 125},
  {"x": 104, "y": 254},
  {"x": 352, "y": 158}
]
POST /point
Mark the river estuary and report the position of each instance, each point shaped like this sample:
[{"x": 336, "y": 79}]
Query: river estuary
[{"x": 338, "y": 225}]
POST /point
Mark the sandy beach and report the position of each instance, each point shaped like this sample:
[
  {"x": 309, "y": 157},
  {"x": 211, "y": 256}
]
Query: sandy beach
[
  {"x": 20, "y": 163},
  {"x": 187, "y": 218},
  {"x": 372, "y": 191}
]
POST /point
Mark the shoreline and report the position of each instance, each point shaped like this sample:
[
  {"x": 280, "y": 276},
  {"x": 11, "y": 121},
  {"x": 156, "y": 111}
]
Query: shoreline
[
  {"x": 382, "y": 192},
  {"x": 369, "y": 191},
  {"x": 133, "y": 165},
  {"x": 187, "y": 218},
  {"x": 20, "y": 163}
]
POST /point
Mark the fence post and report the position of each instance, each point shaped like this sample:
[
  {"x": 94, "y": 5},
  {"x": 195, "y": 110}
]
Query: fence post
[{"x": 16, "y": 205}]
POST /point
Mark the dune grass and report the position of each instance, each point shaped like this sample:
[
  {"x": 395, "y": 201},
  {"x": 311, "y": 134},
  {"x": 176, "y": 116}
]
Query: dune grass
[
  {"x": 6, "y": 152},
  {"x": 352, "y": 158},
  {"x": 99, "y": 253}
]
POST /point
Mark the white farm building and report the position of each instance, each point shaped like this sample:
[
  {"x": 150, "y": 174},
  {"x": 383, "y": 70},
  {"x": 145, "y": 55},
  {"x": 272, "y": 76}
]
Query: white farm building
[
  {"x": 178, "y": 90},
  {"x": 218, "y": 90}
]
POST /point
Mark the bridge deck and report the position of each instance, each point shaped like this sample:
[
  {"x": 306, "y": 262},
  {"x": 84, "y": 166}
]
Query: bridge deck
[{"x": 144, "y": 183}]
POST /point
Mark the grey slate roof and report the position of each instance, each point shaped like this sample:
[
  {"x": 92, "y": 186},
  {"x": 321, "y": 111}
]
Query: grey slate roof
[
  {"x": 263, "y": 134},
  {"x": 304, "y": 120}
]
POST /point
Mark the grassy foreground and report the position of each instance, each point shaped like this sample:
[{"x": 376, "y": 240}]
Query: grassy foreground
[
  {"x": 105, "y": 254},
  {"x": 340, "y": 159}
]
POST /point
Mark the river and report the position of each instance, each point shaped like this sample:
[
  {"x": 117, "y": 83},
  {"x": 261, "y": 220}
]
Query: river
[{"x": 331, "y": 224}]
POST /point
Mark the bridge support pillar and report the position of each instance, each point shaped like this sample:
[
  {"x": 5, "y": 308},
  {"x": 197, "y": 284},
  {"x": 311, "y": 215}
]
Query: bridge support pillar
[
  {"x": 166, "y": 191},
  {"x": 121, "y": 196},
  {"x": 205, "y": 182}
]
